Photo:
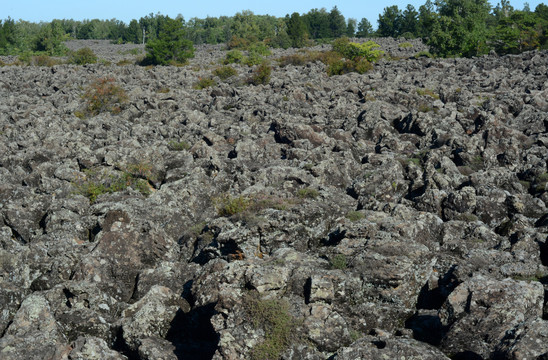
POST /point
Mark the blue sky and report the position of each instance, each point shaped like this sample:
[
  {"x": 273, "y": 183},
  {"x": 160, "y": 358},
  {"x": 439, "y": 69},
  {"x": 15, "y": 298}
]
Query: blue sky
[{"x": 42, "y": 10}]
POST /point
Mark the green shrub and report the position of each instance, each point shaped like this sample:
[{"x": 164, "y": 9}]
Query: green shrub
[
  {"x": 82, "y": 57},
  {"x": 233, "y": 57},
  {"x": 227, "y": 205},
  {"x": 141, "y": 169},
  {"x": 134, "y": 51},
  {"x": 280, "y": 327},
  {"x": 103, "y": 95},
  {"x": 261, "y": 74},
  {"x": 225, "y": 72},
  {"x": 405, "y": 45},
  {"x": 178, "y": 145},
  {"x": 260, "y": 49},
  {"x": 361, "y": 65},
  {"x": 96, "y": 183},
  {"x": 351, "y": 51},
  {"x": 308, "y": 193},
  {"x": 204, "y": 83},
  {"x": 424, "y": 54},
  {"x": 355, "y": 215},
  {"x": 253, "y": 59},
  {"x": 339, "y": 262}
]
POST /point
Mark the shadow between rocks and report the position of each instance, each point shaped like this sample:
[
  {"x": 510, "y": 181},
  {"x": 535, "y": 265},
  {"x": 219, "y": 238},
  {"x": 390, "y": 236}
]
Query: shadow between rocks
[{"x": 193, "y": 335}]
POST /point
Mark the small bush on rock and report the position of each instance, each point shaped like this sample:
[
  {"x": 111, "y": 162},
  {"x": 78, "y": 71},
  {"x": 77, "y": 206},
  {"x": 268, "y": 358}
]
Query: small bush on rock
[
  {"x": 82, "y": 57},
  {"x": 308, "y": 193},
  {"x": 178, "y": 145},
  {"x": 339, "y": 262},
  {"x": 227, "y": 205},
  {"x": 279, "y": 326},
  {"x": 233, "y": 57},
  {"x": 261, "y": 74},
  {"x": 351, "y": 57},
  {"x": 295, "y": 60},
  {"x": 43, "y": 60},
  {"x": 352, "y": 51},
  {"x": 204, "y": 83},
  {"x": 354, "y": 215},
  {"x": 97, "y": 183},
  {"x": 225, "y": 72},
  {"x": 253, "y": 59},
  {"x": 103, "y": 95},
  {"x": 259, "y": 48}
]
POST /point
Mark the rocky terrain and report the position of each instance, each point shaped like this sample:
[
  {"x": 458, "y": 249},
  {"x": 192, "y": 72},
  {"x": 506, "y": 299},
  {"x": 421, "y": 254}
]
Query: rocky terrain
[{"x": 397, "y": 214}]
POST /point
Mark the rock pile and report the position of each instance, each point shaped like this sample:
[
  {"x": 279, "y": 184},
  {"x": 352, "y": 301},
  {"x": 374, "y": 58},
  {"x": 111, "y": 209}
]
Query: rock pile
[{"x": 399, "y": 213}]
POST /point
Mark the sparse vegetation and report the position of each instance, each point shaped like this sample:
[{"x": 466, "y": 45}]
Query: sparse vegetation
[
  {"x": 97, "y": 182},
  {"x": 124, "y": 62},
  {"x": 308, "y": 193},
  {"x": 227, "y": 205},
  {"x": 405, "y": 45},
  {"x": 423, "y": 54},
  {"x": 280, "y": 327},
  {"x": 225, "y": 72},
  {"x": 261, "y": 74},
  {"x": 103, "y": 95},
  {"x": 178, "y": 145},
  {"x": 339, "y": 262},
  {"x": 82, "y": 57},
  {"x": 428, "y": 92},
  {"x": 355, "y": 215},
  {"x": 233, "y": 57},
  {"x": 43, "y": 60},
  {"x": 204, "y": 83}
]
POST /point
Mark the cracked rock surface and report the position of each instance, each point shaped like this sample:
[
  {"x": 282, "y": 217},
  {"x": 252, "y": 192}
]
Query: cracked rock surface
[{"x": 398, "y": 213}]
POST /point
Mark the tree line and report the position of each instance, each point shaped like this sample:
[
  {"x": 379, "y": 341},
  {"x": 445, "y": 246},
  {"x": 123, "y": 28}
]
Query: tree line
[{"x": 450, "y": 27}]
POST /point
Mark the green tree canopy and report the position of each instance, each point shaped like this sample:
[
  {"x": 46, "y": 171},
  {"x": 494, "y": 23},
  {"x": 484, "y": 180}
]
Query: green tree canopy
[
  {"x": 409, "y": 21},
  {"x": 390, "y": 22},
  {"x": 337, "y": 23},
  {"x": 365, "y": 28},
  {"x": 296, "y": 29},
  {"x": 317, "y": 22},
  {"x": 461, "y": 28},
  {"x": 170, "y": 47}
]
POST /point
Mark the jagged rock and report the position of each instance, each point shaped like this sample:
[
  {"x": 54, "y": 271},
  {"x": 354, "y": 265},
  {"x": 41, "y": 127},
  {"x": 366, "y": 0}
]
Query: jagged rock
[
  {"x": 481, "y": 311},
  {"x": 151, "y": 318},
  {"x": 34, "y": 332},
  {"x": 90, "y": 348},
  {"x": 392, "y": 200},
  {"x": 384, "y": 346}
]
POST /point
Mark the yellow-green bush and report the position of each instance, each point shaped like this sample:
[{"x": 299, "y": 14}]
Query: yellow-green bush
[{"x": 367, "y": 50}]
